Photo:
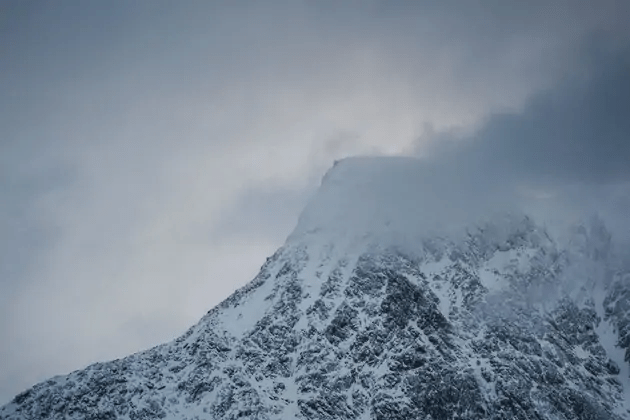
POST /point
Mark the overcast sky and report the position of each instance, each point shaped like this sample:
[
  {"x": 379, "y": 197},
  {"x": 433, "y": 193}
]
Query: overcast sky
[{"x": 154, "y": 153}]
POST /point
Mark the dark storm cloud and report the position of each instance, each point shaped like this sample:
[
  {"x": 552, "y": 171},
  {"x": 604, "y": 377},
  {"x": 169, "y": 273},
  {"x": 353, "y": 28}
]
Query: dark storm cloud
[{"x": 575, "y": 131}]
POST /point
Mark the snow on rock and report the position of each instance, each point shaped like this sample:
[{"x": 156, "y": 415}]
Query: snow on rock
[{"x": 386, "y": 303}]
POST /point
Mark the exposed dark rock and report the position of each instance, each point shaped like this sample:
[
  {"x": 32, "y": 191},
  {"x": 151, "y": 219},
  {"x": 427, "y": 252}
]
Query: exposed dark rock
[{"x": 385, "y": 336}]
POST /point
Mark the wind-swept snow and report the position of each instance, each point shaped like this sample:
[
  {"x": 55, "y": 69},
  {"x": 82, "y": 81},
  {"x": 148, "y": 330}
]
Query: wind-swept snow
[{"x": 395, "y": 297}]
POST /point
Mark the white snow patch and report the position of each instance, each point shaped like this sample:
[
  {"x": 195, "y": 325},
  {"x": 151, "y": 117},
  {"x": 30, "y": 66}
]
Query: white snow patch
[
  {"x": 608, "y": 338},
  {"x": 489, "y": 388},
  {"x": 581, "y": 353},
  {"x": 439, "y": 287},
  {"x": 237, "y": 320}
]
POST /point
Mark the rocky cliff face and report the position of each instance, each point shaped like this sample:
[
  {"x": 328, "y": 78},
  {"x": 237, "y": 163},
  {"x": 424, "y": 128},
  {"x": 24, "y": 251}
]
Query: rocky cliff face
[{"x": 502, "y": 321}]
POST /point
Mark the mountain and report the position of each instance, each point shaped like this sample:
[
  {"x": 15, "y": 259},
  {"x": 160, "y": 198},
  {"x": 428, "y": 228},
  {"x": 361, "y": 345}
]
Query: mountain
[{"x": 385, "y": 303}]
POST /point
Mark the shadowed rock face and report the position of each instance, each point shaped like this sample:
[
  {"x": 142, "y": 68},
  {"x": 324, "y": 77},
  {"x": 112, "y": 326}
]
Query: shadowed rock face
[{"x": 492, "y": 325}]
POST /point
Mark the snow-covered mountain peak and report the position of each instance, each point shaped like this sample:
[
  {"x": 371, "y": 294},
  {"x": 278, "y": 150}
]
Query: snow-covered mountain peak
[
  {"x": 363, "y": 195},
  {"x": 401, "y": 294},
  {"x": 394, "y": 201}
]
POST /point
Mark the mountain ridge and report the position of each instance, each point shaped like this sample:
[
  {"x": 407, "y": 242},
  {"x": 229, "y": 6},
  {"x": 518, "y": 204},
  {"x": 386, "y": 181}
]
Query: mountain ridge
[{"x": 488, "y": 319}]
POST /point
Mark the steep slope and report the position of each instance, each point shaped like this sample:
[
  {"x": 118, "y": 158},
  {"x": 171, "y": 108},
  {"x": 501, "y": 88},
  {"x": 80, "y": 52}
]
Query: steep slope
[{"x": 378, "y": 307}]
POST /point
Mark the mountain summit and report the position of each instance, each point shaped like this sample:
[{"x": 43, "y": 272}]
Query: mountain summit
[{"x": 396, "y": 297}]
